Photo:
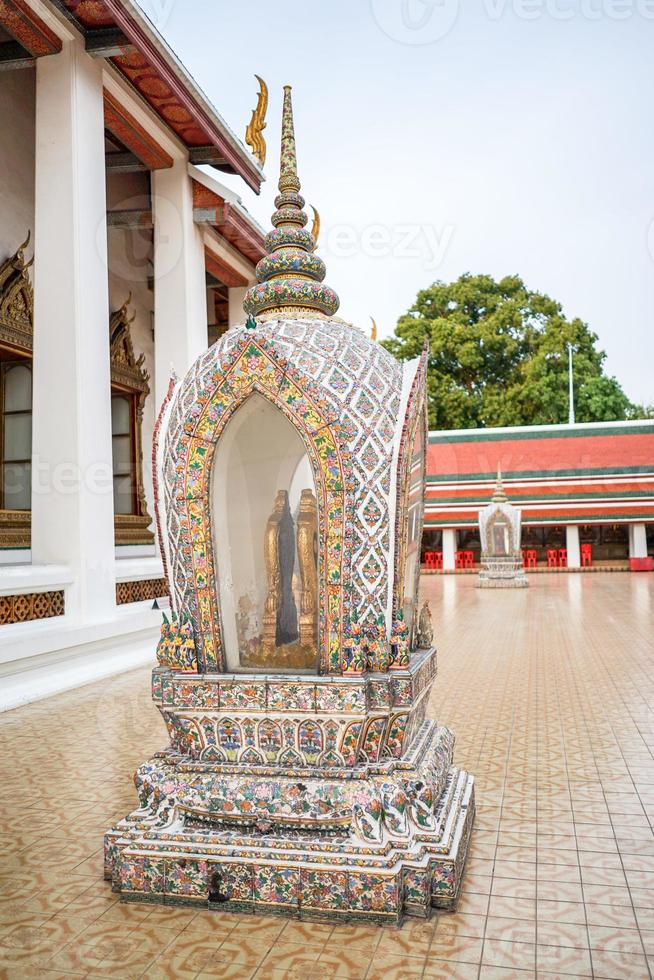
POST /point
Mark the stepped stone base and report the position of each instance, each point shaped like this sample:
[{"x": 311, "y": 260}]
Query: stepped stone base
[
  {"x": 373, "y": 843},
  {"x": 502, "y": 573}
]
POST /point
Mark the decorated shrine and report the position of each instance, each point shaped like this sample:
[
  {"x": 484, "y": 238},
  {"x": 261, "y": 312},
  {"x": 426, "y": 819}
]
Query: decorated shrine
[
  {"x": 499, "y": 530},
  {"x": 302, "y": 775}
]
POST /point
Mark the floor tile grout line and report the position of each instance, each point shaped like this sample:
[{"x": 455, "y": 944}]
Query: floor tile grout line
[{"x": 603, "y": 792}]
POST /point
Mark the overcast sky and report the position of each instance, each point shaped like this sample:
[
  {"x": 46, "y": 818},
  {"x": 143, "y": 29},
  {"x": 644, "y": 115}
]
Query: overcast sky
[{"x": 439, "y": 137}]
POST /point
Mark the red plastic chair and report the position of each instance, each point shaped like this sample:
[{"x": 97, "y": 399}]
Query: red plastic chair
[
  {"x": 469, "y": 559},
  {"x": 552, "y": 557},
  {"x": 563, "y": 558},
  {"x": 524, "y": 557},
  {"x": 459, "y": 559},
  {"x": 586, "y": 555},
  {"x": 439, "y": 559},
  {"x": 532, "y": 556},
  {"x": 430, "y": 559}
]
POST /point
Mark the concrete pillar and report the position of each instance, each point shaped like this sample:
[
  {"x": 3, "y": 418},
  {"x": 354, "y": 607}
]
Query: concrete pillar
[
  {"x": 72, "y": 500},
  {"x": 449, "y": 549},
  {"x": 235, "y": 297},
  {"x": 572, "y": 545},
  {"x": 637, "y": 541},
  {"x": 180, "y": 297}
]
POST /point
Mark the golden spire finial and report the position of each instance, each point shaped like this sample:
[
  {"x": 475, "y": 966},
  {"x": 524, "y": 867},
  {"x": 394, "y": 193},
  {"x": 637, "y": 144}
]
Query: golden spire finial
[
  {"x": 499, "y": 497},
  {"x": 290, "y": 277},
  {"x": 253, "y": 133},
  {"x": 373, "y": 331}
]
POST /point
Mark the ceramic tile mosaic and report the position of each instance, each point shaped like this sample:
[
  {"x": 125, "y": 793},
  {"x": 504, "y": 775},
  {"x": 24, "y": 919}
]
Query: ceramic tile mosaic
[{"x": 352, "y": 436}]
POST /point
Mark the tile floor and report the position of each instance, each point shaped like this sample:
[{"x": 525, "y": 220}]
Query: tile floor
[{"x": 551, "y": 694}]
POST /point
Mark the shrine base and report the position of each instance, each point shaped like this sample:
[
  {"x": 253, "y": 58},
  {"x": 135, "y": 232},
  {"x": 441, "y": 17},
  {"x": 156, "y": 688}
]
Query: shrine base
[
  {"x": 502, "y": 573},
  {"x": 373, "y": 843}
]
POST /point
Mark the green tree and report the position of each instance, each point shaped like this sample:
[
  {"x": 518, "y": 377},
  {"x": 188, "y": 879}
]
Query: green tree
[{"x": 498, "y": 355}]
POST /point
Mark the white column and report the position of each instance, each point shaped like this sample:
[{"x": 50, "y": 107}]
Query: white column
[
  {"x": 180, "y": 297},
  {"x": 72, "y": 501},
  {"x": 637, "y": 541},
  {"x": 235, "y": 297},
  {"x": 449, "y": 549},
  {"x": 572, "y": 545}
]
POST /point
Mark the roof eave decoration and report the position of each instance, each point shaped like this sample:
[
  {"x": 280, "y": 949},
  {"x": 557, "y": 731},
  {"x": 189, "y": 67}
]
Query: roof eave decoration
[
  {"x": 290, "y": 277},
  {"x": 129, "y": 131},
  {"x": 145, "y": 60},
  {"x": 229, "y": 220},
  {"x": 16, "y": 300},
  {"x": 28, "y": 29},
  {"x": 126, "y": 369},
  {"x": 221, "y": 270},
  {"x": 254, "y": 133}
]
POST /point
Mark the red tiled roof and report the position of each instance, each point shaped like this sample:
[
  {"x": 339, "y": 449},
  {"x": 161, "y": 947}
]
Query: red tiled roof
[{"x": 554, "y": 473}]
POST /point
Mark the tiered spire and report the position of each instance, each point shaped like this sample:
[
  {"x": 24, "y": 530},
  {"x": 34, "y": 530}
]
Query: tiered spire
[
  {"x": 499, "y": 497},
  {"x": 290, "y": 277}
]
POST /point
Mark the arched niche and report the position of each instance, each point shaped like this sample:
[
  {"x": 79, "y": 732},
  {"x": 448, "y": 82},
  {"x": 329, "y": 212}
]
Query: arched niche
[
  {"x": 501, "y": 536},
  {"x": 202, "y": 407},
  {"x": 265, "y": 536}
]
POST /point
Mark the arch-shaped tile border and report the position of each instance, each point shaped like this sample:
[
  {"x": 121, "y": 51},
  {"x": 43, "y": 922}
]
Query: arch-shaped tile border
[
  {"x": 255, "y": 368},
  {"x": 416, "y": 415}
]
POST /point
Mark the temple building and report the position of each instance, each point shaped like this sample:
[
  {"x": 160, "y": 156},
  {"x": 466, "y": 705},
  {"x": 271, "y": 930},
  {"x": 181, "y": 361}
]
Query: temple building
[
  {"x": 120, "y": 260},
  {"x": 585, "y": 491}
]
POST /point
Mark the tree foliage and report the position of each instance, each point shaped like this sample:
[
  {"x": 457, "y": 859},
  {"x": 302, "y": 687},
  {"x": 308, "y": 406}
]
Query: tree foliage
[{"x": 498, "y": 355}]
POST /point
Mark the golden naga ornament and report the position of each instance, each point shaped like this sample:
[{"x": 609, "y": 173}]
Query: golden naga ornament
[
  {"x": 253, "y": 133},
  {"x": 315, "y": 227},
  {"x": 290, "y": 275},
  {"x": 373, "y": 330},
  {"x": 16, "y": 299}
]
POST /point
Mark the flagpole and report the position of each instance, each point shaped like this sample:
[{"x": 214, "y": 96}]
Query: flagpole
[{"x": 571, "y": 396}]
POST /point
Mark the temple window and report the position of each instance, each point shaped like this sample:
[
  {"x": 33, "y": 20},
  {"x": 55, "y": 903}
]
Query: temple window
[
  {"x": 16, "y": 328},
  {"x": 16, "y": 399},
  {"x": 129, "y": 389},
  {"x": 264, "y": 515},
  {"x": 123, "y": 425}
]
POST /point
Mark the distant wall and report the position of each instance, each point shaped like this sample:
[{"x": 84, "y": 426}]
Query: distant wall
[{"x": 17, "y": 129}]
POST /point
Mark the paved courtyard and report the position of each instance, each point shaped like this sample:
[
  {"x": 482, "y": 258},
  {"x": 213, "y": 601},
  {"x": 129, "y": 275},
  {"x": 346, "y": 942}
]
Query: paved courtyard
[{"x": 551, "y": 694}]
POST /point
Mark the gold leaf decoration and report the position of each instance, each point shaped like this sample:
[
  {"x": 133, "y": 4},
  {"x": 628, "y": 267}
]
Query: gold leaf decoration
[
  {"x": 315, "y": 227},
  {"x": 253, "y": 133}
]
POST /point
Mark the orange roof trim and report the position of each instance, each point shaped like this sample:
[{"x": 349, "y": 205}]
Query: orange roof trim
[
  {"x": 138, "y": 52},
  {"x": 125, "y": 127}
]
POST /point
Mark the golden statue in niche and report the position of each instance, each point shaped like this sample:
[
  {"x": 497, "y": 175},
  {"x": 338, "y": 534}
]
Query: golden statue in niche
[
  {"x": 280, "y": 617},
  {"x": 307, "y": 554},
  {"x": 284, "y": 643}
]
